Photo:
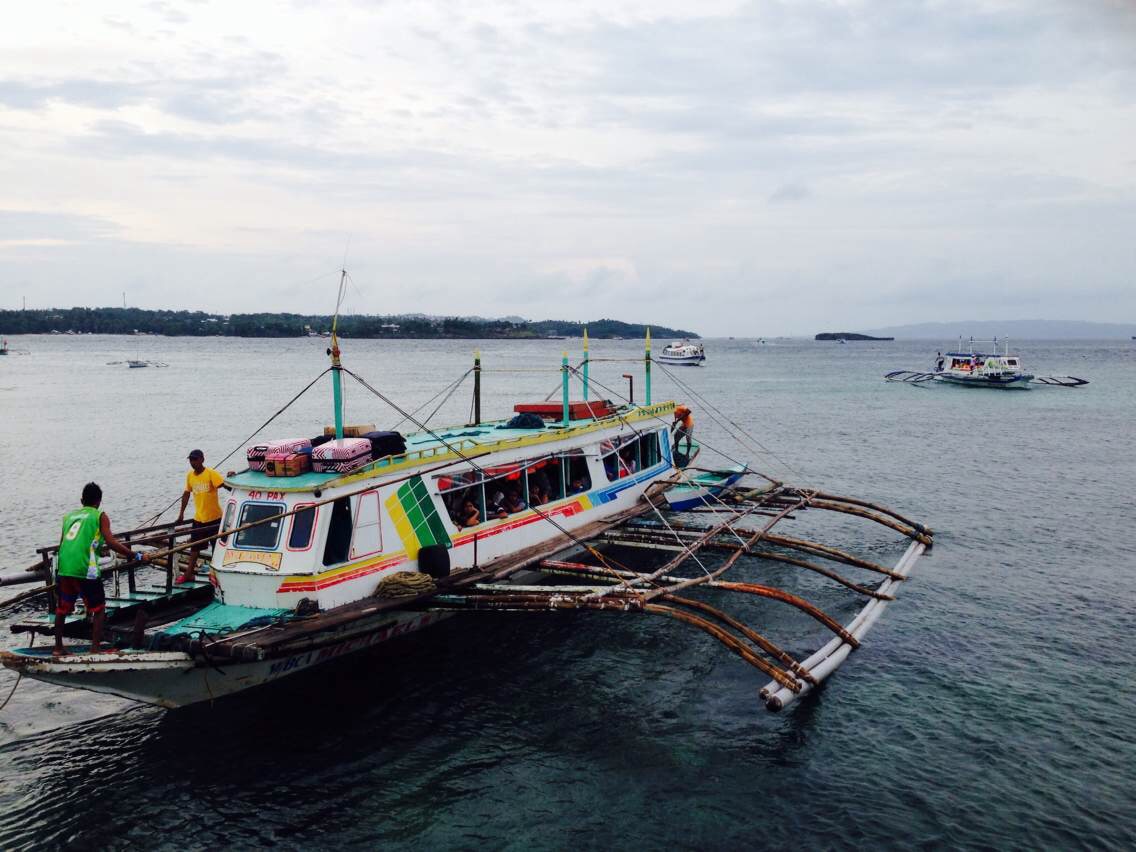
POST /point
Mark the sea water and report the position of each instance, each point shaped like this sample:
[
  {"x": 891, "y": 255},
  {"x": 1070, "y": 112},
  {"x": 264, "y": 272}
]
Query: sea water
[{"x": 994, "y": 705}]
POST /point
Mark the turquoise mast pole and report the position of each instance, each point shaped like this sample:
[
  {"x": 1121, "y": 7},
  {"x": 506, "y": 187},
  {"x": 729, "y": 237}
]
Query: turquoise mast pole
[
  {"x": 647, "y": 366},
  {"x": 564, "y": 386},
  {"x": 586, "y": 359},
  {"x": 336, "y": 366}
]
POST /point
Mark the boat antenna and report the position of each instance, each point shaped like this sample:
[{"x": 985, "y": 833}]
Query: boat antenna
[{"x": 336, "y": 365}]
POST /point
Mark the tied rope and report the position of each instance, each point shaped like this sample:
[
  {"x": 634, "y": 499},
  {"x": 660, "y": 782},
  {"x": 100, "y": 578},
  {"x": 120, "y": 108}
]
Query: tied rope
[{"x": 19, "y": 677}]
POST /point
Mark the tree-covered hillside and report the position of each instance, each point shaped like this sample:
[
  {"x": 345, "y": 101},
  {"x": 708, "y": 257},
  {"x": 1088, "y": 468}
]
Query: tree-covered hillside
[{"x": 200, "y": 324}]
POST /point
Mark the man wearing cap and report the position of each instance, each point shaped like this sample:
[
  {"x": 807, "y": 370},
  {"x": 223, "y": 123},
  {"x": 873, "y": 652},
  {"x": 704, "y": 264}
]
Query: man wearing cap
[{"x": 203, "y": 483}]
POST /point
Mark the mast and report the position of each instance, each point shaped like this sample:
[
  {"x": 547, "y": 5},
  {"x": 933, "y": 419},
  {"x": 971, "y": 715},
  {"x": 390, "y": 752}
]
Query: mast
[
  {"x": 647, "y": 367},
  {"x": 476, "y": 387},
  {"x": 336, "y": 366},
  {"x": 586, "y": 359},
  {"x": 564, "y": 386}
]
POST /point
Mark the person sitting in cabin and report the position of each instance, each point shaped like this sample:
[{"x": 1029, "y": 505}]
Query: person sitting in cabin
[
  {"x": 683, "y": 427},
  {"x": 576, "y": 486},
  {"x": 514, "y": 502},
  {"x": 203, "y": 483},
  {"x": 498, "y": 506},
  {"x": 538, "y": 496},
  {"x": 77, "y": 568},
  {"x": 470, "y": 516}
]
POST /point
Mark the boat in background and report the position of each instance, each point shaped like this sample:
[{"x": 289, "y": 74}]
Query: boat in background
[
  {"x": 970, "y": 367},
  {"x": 685, "y": 354}
]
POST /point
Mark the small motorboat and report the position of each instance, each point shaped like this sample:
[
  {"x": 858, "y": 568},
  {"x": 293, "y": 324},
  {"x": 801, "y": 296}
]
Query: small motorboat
[
  {"x": 685, "y": 354},
  {"x": 702, "y": 488}
]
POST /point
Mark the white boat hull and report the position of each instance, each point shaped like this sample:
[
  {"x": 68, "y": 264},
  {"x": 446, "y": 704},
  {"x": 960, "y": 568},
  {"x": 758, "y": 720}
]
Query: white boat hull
[{"x": 174, "y": 679}]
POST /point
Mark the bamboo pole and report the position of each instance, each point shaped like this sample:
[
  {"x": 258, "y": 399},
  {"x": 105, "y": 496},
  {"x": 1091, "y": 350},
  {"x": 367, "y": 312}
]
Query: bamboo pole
[{"x": 731, "y": 642}]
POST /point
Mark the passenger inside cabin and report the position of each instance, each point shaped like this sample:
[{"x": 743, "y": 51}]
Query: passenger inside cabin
[
  {"x": 577, "y": 486},
  {"x": 470, "y": 516},
  {"x": 513, "y": 501},
  {"x": 537, "y": 495},
  {"x": 498, "y": 505}
]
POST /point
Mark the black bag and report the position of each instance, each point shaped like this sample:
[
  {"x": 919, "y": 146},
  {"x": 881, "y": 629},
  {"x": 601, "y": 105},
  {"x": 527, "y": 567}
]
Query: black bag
[
  {"x": 385, "y": 443},
  {"x": 524, "y": 421}
]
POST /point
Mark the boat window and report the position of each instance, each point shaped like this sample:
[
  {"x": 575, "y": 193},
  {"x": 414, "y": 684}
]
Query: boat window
[
  {"x": 464, "y": 497},
  {"x": 338, "y": 532},
  {"x": 303, "y": 524},
  {"x": 227, "y": 523},
  {"x": 576, "y": 473},
  {"x": 649, "y": 449},
  {"x": 368, "y": 536},
  {"x": 263, "y": 536},
  {"x": 542, "y": 482},
  {"x": 620, "y": 457}
]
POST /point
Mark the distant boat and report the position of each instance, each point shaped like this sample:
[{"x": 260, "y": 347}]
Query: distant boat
[
  {"x": 971, "y": 368},
  {"x": 136, "y": 364},
  {"x": 683, "y": 354}
]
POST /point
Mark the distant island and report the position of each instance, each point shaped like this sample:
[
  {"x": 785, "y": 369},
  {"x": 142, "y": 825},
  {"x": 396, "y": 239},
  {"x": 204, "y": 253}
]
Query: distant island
[
  {"x": 200, "y": 324},
  {"x": 847, "y": 335},
  {"x": 1019, "y": 329}
]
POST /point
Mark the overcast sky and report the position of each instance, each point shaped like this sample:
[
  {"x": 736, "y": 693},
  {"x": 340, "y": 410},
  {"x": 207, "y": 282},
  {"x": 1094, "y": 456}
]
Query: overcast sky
[{"x": 736, "y": 168}]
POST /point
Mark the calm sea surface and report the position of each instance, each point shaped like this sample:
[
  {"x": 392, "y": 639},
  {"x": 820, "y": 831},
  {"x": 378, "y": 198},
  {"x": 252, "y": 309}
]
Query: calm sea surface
[{"x": 994, "y": 705}]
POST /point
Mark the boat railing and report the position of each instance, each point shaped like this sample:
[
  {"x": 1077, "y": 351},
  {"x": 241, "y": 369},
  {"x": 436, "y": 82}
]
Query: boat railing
[
  {"x": 165, "y": 535},
  {"x": 460, "y": 447}
]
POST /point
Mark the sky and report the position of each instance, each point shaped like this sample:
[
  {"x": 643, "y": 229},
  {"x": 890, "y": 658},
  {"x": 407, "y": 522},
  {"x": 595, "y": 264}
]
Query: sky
[{"x": 731, "y": 168}]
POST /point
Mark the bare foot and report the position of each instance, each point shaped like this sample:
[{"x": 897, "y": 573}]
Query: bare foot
[
  {"x": 104, "y": 651},
  {"x": 59, "y": 651}
]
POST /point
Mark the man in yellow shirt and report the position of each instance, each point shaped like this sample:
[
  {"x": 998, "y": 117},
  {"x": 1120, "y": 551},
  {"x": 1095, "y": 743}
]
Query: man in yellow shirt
[{"x": 203, "y": 483}]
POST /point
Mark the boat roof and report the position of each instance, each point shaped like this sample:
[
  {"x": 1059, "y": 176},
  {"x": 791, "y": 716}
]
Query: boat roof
[{"x": 429, "y": 448}]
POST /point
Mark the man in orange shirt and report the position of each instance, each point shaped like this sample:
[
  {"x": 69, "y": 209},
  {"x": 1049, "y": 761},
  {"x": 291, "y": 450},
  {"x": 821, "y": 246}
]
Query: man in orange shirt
[
  {"x": 203, "y": 483},
  {"x": 683, "y": 428}
]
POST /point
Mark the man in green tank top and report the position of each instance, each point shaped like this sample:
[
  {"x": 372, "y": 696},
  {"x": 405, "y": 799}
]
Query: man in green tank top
[{"x": 77, "y": 567}]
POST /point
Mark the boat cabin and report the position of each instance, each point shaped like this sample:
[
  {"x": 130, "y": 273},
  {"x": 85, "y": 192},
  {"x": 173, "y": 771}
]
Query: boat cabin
[{"x": 477, "y": 493}]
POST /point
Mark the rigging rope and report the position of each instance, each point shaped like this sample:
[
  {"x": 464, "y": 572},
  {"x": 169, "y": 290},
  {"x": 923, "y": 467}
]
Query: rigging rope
[
  {"x": 452, "y": 386},
  {"x": 745, "y": 436},
  {"x": 245, "y": 441},
  {"x": 456, "y": 451}
]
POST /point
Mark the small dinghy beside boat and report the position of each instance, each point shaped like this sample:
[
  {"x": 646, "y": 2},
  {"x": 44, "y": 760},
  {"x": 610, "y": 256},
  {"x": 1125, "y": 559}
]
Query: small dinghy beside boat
[{"x": 702, "y": 488}]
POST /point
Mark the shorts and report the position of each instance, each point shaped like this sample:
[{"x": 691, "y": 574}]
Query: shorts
[
  {"x": 203, "y": 530},
  {"x": 69, "y": 589}
]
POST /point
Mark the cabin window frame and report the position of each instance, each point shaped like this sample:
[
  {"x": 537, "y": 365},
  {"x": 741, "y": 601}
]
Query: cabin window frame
[
  {"x": 352, "y": 555},
  {"x": 350, "y": 532},
  {"x": 580, "y": 458},
  {"x": 227, "y": 520},
  {"x": 296, "y": 511},
  {"x": 245, "y": 506},
  {"x": 459, "y": 482}
]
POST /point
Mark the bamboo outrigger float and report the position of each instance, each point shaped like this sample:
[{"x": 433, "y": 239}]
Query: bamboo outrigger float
[{"x": 560, "y": 516}]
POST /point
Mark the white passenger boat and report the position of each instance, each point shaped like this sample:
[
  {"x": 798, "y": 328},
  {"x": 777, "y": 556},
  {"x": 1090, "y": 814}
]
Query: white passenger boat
[
  {"x": 374, "y": 536},
  {"x": 970, "y": 367},
  {"x": 682, "y": 354}
]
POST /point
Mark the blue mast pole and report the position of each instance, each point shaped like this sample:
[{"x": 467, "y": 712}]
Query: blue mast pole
[{"x": 336, "y": 366}]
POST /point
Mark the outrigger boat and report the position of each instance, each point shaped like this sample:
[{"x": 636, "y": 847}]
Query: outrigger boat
[
  {"x": 312, "y": 565},
  {"x": 971, "y": 367},
  {"x": 683, "y": 354}
]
